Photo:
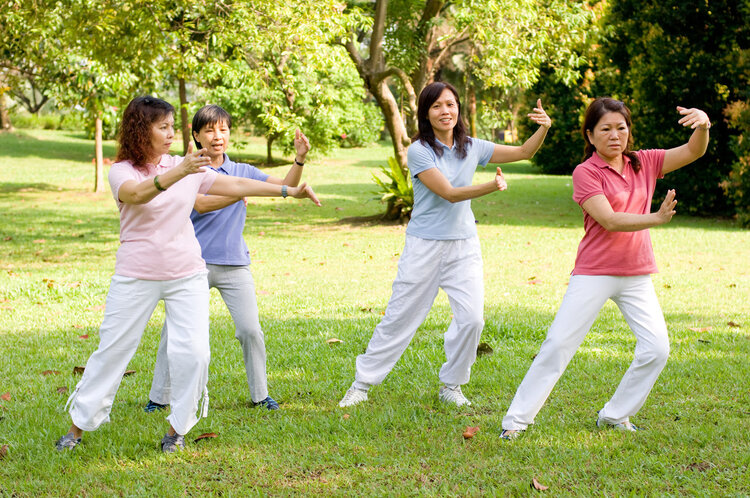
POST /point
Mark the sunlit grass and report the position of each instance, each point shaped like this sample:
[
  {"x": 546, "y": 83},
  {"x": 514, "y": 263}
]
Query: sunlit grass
[{"x": 319, "y": 278}]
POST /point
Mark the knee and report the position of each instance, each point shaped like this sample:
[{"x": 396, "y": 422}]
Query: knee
[
  {"x": 656, "y": 353},
  {"x": 474, "y": 322},
  {"x": 248, "y": 333}
]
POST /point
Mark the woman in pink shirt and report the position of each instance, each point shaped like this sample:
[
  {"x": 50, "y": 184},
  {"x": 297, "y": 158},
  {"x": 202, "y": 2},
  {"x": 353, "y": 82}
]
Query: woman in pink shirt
[
  {"x": 159, "y": 259},
  {"x": 614, "y": 187}
]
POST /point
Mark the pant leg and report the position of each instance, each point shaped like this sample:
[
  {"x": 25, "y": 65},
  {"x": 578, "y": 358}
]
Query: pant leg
[
  {"x": 130, "y": 303},
  {"x": 161, "y": 389},
  {"x": 462, "y": 280},
  {"x": 237, "y": 288},
  {"x": 640, "y": 306},
  {"x": 414, "y": 291},
  {"x": 188, "y": 353},
  {"x": 584, "y": 298}
]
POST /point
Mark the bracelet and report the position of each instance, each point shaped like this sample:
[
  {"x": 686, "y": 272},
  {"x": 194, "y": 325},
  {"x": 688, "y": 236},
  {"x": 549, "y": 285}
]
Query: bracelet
[
  {"x": 298, "y": 163},
  {"x": 705, "y": 128},
  {"x": 158, "y": 185},
  {"x": 283, "y": 191}
]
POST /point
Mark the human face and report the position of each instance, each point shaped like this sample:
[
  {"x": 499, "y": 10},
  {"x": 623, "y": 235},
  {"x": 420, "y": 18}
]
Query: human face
[
  {"x": 610, "y": 136},
  {"x": 215, "y": 139},
  {"x": 443, "y": 114},
  {"x": 162, "y": 135}
]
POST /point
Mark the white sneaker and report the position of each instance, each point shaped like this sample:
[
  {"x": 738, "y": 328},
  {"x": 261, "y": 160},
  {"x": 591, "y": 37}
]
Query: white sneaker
[
  {"x": 625, "y": 426},
  {"x": 455, "y": 396},
  {"x": 352, "y": 397}
]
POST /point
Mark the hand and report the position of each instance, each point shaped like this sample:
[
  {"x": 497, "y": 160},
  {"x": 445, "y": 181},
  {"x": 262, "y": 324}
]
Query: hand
[
  {"x": 666, "y": 211},
  {"x": 694, "y": 118},
  {"x": 500, "y": 180},
  {"x": 302, "y": 192},
  {"x": 194, "y": 162},
  {"x": 301, "y": 145},
  {"x": 539, "y": 116}
]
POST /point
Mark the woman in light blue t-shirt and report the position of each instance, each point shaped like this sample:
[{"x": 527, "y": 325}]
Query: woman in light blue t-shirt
[{"x": 442, "y": 248}]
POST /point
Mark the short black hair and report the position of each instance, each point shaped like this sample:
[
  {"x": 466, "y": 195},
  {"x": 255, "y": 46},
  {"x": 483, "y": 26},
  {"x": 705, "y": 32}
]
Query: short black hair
[{"x": 209, "y": 115}]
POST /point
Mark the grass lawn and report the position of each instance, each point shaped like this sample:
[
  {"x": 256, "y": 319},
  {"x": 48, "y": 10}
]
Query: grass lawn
[{"x": 320, "y": 278}]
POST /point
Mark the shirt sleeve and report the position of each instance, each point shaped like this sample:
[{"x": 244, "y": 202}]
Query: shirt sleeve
[
  {"x": 652, "y": 161},
  {"x": 119, "y": 173},
  {"x": 484, "y": 150},
  {"x": 586, "y": 183},
  {"x": 251, "y": 172},
  {"x": 420, "y": 158},
  {"x": 207, "y": 179}
]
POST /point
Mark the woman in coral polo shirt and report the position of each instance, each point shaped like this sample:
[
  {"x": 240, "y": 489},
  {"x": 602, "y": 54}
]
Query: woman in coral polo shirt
[
  {"x": 614, "y": 187},
  {"x": 159, "y": 259}
]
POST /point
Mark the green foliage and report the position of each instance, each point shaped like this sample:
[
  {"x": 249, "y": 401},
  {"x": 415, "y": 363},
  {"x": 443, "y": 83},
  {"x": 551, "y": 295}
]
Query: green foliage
[
  {"x": 670, "y": 53},
  {"x": 737, "y": 186},
  {"x": 397, "y": 191}
]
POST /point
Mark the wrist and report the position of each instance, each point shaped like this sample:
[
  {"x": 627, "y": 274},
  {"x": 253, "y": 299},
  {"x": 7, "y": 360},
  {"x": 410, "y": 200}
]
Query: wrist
[
  {"x": 705, "y": 126},
  {"x": 299, "y": 161}
]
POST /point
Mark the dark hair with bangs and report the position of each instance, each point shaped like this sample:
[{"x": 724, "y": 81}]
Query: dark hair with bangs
[
  {"x": 594, "y": 113},
  {"x": 426, "y": 134},
  {"x": 135, "y": 129},
  {"x": 209, "y": 115}
]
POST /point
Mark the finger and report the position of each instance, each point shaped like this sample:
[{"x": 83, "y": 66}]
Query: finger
[
  {"x": 190, "y": 148},
  {"x": 680, "y": 109},
  {"x": 312, "y": 196},
  {"x": 297, "y": 134}
]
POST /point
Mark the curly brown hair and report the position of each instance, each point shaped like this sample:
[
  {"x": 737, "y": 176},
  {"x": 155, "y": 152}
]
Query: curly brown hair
[{"x": 135, "y": 129}]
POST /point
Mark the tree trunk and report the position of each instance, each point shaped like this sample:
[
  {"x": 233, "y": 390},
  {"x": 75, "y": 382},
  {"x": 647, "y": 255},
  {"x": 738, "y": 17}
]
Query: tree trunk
[
  {"x": 471, "y": 109},
  {"x": 5, "y": 124},
  {"x": 98, "y": 175},
  {"x": 269, "y": 144},
  {"x": 184, "y": 126},
  {"x": 393, "y": 121}
]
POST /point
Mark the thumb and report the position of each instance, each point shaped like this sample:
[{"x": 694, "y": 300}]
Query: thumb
[
  {"x": 539, "y": 103},
  {"x": 499, "y": 171},
  {"x": 190, "y": 148}
]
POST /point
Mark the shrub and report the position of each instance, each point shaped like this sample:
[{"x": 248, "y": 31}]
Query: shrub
[
  {"x": 398, "y": 194},
  {"x": 737, "y": 185}
]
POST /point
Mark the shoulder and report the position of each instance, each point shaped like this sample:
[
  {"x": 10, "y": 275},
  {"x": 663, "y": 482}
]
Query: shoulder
[
  {"x": 418, "y": 150},
  {"x": 651, "y": 156},
  {"x": 586, "y": 169}
]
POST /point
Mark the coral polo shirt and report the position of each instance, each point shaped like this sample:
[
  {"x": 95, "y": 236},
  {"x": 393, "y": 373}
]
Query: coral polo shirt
[{"x": 602, "y": 252}]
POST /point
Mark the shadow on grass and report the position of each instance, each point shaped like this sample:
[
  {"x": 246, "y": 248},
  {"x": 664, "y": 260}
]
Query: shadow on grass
[{"x": 21, "y": 144}]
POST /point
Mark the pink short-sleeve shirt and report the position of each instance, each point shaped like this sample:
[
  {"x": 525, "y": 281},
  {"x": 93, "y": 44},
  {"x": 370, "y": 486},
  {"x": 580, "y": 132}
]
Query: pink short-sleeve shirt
[
  {"x": 602, "y": 252},
  {"x": 157, "y": 241}
]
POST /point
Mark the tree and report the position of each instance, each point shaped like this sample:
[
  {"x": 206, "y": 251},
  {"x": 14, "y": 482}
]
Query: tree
[{"x": 689, "y": 53}]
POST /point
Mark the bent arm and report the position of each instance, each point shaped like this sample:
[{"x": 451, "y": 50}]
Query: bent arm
[
  {"x": 434, "y": 180},
  {"x": 133, "y": 192},
  {"x": 599, "y": 208},
  {"x": 685, "y": 154},
  {"x": 233, "y": 186},
  {"x": 294, "y": 175},
  {"x": 510, "y": 153},
  {"x": 207, "y": 203}
]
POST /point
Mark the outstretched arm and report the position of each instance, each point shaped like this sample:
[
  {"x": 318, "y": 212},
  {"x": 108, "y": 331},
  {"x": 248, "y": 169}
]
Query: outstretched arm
[
  {"x": 208, "y": 203},
  {"x": 511, "y": 153},
  {"x": 434, "y": 180},
  {"x": 294, "y": 175},
  {"x": 695, "y": 147},
  {"x": 599, "y": 208},
  {"x": 233, "y": 186}
]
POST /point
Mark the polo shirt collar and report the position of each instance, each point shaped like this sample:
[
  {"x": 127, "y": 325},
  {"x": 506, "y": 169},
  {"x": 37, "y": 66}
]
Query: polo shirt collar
[
  {"x": 445, "y": 146},
  {"x": 597, "y": 160},
  {"x": 224, "y": 165}
]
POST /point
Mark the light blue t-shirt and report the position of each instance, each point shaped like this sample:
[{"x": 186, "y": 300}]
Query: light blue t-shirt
[
  {"x": 433, "y": 217},
  {"x": 220, "y": 232}
]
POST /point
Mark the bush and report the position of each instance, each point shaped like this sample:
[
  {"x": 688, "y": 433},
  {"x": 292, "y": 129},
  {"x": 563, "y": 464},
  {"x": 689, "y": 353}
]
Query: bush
[
  {"x": 398, "y": 194},
  {"x": 737, "y": 186}
]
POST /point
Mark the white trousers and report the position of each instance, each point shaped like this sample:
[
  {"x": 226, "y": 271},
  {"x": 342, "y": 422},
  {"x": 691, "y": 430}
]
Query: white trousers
[
  {"x": 584, "y": 298},
  {"x": 130, "y": 304},
  {"x": 237, "y": 288},
  {"x": 426, "y": 266}
]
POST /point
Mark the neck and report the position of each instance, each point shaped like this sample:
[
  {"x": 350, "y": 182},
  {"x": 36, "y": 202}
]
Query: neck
[
  {"x": 154, "y": 160},
  {"x": 617, "y": 163},
  {"x": 217, "y": 161},
  {"x": 445, "y": 137}
]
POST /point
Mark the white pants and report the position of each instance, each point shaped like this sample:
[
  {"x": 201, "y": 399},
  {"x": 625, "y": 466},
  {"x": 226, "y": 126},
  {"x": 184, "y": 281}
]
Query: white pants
[
  {"x": 426, "y": 266},
  {"x": 237, "y": 288},
  {"x": 130, "y": 303},
  {"x": 584, "y": 298}
]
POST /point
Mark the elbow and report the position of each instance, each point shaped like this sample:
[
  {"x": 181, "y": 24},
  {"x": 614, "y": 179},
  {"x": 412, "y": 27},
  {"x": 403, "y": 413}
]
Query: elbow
[{"x": 452, "y": 197}]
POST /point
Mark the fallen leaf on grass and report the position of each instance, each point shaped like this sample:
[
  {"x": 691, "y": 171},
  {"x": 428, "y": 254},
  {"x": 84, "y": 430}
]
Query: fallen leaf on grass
[
  {"x": 206, "y": 435},
  {"x": 50, "y": 372},
  {"x": 78, "y": 370},
  {"x": 5, "y": 397},
  {"x": 3, "y": 451},
  {"x": 346, "y": 416},
  {"x": 699, "y": 466},
  {"x": 333, "y": 340},
  {"x": 84, "y": 336},
  {"x": 62, "y": 390},
  {"x": 536, "y": 485},
  {"x": 484, "y": 348},
  {"x": 470, "y": 432},
  {"x": 128, "y": 372},
  {"x": 704, "y": 341},
  {"x": 733, "y": 324},
  {"x": 95, "y": 308},
  {"x": 700, "y": 329}
]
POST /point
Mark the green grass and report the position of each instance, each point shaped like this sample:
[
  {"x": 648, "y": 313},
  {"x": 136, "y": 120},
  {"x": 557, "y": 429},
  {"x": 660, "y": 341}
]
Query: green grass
[{"x": 320, "y": 278}]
